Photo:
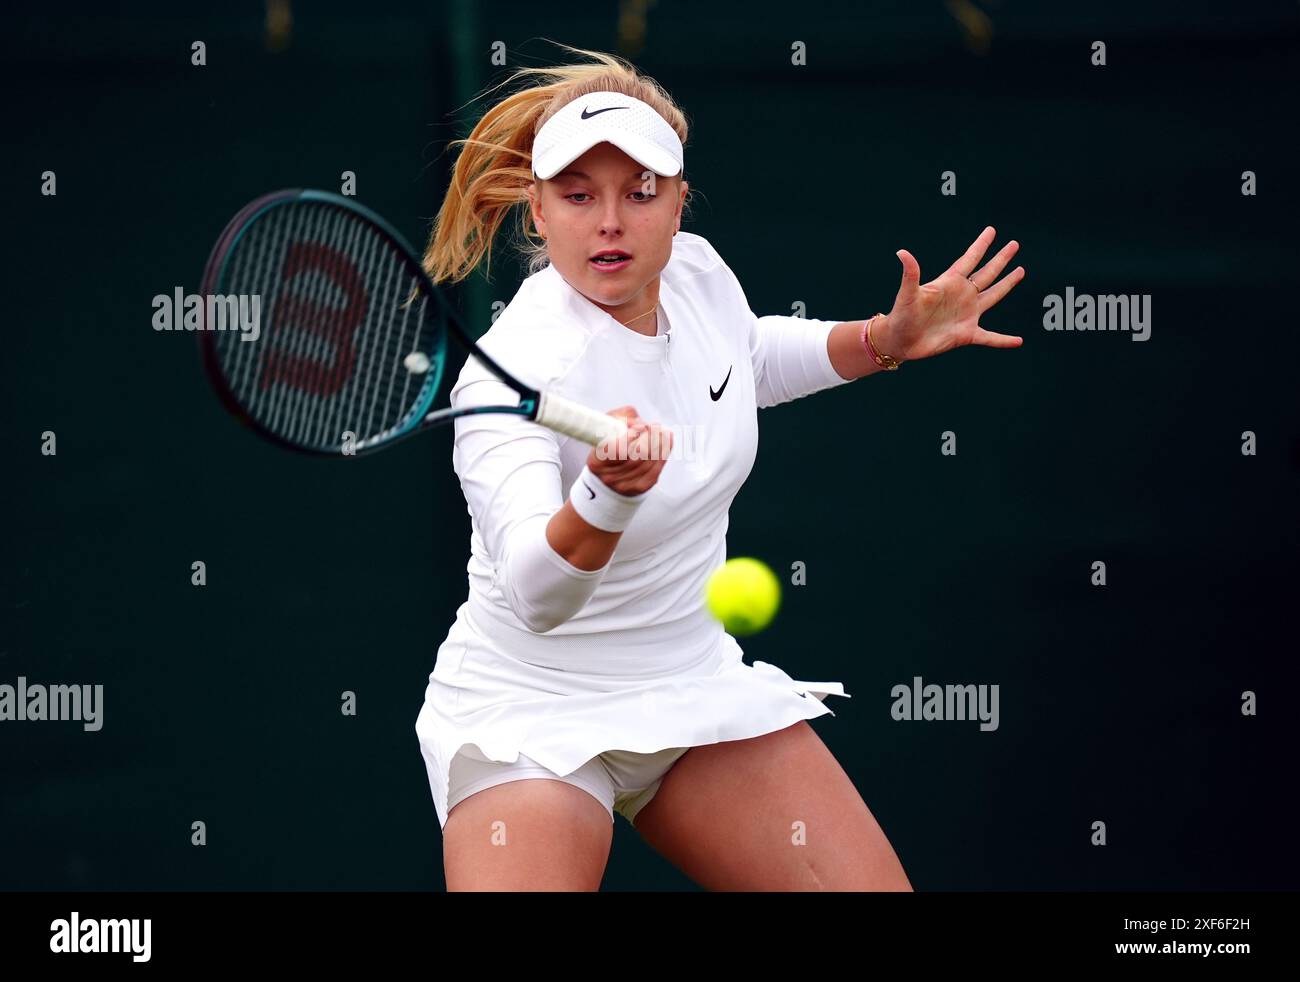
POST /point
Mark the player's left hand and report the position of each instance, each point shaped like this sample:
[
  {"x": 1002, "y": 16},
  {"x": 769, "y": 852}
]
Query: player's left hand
[{"x": 944, "y": 313}]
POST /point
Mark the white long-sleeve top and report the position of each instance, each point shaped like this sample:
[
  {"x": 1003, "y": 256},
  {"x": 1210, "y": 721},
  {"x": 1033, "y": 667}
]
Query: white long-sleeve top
[{"x": 516, "y": 474}]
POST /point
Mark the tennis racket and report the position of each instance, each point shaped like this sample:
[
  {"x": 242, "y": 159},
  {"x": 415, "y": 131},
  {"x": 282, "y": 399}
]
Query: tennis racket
[{"x": 352, "y": 334}]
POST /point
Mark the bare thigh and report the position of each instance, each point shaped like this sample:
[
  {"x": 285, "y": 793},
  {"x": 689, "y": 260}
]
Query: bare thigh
[
  {"x": 775, "y": 812},
  {"x": 530, "y": 834}
]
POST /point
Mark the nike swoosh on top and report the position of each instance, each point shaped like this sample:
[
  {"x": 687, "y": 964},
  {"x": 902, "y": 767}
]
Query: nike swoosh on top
[
  {"x": 715, "y": 396},
  {"x": 587, "y": 114}
]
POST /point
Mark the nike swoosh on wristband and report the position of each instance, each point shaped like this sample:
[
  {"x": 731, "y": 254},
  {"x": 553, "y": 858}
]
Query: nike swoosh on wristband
[
  {"x": 586, "y": 114},
  {"x": 589, "y": 491},
  {"x": 715, "y": 396}
]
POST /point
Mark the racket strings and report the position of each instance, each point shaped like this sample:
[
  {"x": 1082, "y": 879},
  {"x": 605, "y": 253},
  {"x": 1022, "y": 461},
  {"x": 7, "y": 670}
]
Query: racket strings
[
  {"x": 336, "y": 331},
  {"x": 281, "y": 369}
]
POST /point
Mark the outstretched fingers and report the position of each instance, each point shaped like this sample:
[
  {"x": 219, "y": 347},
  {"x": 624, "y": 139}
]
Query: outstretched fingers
[
  {"x": 987, "y": 298},
  {"x": 994, "y": 267},
  {"x": 992, "y": 340},
  {"x": 971, "y": 257}
]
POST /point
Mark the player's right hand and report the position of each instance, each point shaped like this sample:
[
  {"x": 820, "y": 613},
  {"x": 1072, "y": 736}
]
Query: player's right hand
[{"x": 633, "y": 466}]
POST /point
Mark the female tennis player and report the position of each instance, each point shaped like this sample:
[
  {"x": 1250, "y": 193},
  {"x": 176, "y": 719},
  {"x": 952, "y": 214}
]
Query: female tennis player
[{"x": 584, "y": 675}]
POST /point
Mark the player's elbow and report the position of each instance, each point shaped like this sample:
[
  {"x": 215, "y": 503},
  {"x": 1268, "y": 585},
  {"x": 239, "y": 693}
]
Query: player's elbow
[
  {"x": 539, "y": 622},
  {"x": 548, "y": 591},
  {"x": 544, "y": 612},
  {"x": 543, "y": 589}
]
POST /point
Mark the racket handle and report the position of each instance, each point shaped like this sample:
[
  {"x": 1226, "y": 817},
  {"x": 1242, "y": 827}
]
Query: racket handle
[{"x": 576, "y": 420}]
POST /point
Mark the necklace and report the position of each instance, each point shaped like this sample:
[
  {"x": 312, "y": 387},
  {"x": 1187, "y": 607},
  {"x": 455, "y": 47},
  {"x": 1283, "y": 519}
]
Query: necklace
[
  {"x": 639, "y": 316},
  {"x": 642, "y": 315}
]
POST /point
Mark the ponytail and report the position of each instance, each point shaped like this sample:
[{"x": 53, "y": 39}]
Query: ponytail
[{"x": 494, "y": 167}]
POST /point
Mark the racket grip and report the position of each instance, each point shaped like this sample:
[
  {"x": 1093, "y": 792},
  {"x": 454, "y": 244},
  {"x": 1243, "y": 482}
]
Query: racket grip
[{"x": 576, "y": 420}]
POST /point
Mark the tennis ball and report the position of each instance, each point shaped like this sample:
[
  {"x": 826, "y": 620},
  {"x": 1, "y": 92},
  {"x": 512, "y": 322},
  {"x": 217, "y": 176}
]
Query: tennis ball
[{"x": 744, "y": 594}]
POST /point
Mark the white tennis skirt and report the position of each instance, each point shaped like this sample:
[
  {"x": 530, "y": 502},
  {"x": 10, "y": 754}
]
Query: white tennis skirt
[{"x": 561, "y": 701}]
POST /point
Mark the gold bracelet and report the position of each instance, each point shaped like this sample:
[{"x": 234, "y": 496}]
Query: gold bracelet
[{"x": 886, "y": 362}]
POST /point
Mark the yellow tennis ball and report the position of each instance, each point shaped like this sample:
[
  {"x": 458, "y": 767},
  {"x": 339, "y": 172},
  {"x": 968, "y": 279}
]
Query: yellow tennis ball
[{"x": 744, "y": 594}]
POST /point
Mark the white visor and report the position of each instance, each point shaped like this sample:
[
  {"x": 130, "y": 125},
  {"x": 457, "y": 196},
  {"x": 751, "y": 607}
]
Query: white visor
[{"x": 607, "y": 117}]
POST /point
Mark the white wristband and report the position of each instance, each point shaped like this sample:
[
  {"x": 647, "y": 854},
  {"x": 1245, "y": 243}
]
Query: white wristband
[{"x": 602, "y": 506}]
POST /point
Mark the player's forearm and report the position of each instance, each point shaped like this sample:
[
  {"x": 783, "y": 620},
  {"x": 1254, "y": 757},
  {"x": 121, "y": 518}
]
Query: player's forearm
[
  {"x": 581, "y": 544},
  {"x": 792, "y": 358}
]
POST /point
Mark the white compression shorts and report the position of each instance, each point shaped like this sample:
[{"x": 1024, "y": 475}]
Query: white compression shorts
[{"x": 620, "y": 780}]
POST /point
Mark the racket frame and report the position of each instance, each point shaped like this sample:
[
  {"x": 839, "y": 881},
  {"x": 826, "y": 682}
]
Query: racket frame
[{"x": 531, "y": 400}]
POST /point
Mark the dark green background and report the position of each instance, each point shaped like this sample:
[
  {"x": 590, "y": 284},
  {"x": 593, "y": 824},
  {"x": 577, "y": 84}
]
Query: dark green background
[{"x": 1118, "y": 704}]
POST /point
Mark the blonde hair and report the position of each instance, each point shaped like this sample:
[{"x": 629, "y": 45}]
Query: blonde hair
[{"x": 494, "y": 168}]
